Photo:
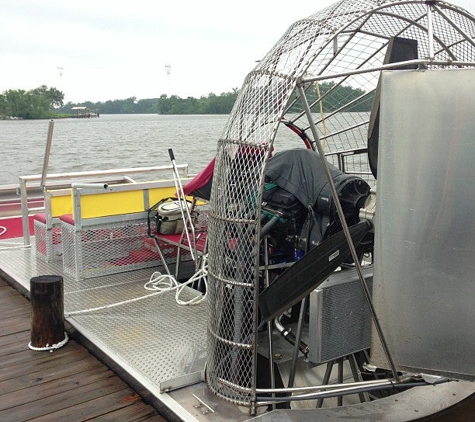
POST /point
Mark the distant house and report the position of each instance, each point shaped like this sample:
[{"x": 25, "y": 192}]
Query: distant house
[{"x": 82, "y": 112}]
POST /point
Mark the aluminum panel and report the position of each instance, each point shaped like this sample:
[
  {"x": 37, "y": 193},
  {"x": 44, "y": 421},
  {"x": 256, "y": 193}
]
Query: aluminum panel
[
  {"x": 340, "y": 320},
  {"x": 424, "y": 250}
]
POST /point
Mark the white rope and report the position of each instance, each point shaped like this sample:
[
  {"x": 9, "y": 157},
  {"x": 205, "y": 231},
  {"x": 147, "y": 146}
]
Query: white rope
[
  {"x": 112, "y": 305},
  {"x": 166, "y": 283},
  {"x": 160, "y": 283},
  {"x": 51, "y": 348}
]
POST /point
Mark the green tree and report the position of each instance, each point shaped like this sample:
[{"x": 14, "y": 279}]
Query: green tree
[
  {"x": 38, "y": 103},
  {"x": 55, "y": 96},
  {"x": 336, "y": 96},
  {"x": 211, "y": 104},
  {"x": 128, "y": 105}
]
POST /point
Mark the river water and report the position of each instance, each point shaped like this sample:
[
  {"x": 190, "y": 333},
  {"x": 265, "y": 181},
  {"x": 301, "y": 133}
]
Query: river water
[
  {"x": 114, "y": 141},
  {"x": 107, "y": 142}
]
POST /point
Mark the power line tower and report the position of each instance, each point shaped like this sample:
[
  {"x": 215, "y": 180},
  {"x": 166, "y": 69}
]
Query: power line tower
[{"x": 59, "y": 78}]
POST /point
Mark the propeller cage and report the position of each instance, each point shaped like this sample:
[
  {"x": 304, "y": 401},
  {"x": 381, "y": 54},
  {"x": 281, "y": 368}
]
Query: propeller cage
[{"x": 322, "y": 75}]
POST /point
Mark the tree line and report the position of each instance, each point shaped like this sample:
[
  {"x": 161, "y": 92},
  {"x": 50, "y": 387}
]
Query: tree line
[
  {"x": 210, "y": 104},
  {"x": 38, "y": 103},
  {"x": 333, "y": 97},
  {"x": 44, "y": 102}
]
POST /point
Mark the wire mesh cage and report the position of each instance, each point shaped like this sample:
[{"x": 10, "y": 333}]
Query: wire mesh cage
[
  {"x": 47, "y": 241},
  {"x": 108, "y": 248},
  {"x": 321, "y": 76}
]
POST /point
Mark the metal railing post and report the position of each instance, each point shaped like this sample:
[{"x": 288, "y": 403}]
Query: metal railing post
[{"x": 24, "y": 212}]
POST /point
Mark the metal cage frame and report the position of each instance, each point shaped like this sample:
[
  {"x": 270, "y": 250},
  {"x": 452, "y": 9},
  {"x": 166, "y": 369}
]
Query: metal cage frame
[{"x": 343, "y": 45}]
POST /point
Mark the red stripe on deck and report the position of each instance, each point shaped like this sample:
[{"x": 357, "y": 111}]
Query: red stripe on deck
[{"x": 11, "y": 227}]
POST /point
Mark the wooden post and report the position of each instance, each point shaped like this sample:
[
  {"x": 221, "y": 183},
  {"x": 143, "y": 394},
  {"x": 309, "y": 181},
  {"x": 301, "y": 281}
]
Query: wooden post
[{"x": 47, "y": 312}]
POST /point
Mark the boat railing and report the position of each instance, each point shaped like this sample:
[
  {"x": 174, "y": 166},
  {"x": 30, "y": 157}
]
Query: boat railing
[
  {"x": 349, "y": 168},
  {"x": 29, "y": 183}
]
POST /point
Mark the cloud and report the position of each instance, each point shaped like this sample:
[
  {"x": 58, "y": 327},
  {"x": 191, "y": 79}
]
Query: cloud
[{"x": 118, "y": 49}]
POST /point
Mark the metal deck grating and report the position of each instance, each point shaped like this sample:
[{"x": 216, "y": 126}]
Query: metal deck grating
[{"x": 154, "y": 338}]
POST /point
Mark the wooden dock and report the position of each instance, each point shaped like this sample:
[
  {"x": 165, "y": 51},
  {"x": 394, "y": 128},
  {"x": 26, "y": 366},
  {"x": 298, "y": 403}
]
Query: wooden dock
[{"x": 67, "y": 384}]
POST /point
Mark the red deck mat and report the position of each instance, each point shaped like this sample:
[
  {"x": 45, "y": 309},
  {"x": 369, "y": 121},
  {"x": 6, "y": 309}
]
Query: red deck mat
[{"x": 11, "y": 227}]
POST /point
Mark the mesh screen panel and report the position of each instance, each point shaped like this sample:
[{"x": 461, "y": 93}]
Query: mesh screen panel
[
  {"x": 108, "y": 248},
  {"x": 47, "y": 242}
]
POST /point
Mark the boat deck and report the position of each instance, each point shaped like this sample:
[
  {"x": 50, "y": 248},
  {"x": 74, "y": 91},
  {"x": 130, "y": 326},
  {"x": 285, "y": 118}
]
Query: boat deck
[
  {"x": 155, "y": 345},
  {"x": 152, "y": 342},
  {"x": 69, "y": 384}
]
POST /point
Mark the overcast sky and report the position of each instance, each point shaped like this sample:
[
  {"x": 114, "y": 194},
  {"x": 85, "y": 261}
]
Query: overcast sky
[{"x": 102, "y": 50}]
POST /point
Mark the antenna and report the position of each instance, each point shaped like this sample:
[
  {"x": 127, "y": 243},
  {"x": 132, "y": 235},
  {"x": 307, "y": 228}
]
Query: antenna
[{"x": 167, "y": 69}]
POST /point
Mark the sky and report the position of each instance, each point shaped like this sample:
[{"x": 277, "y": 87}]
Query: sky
[
  {"x": 105, "y": 50},
  {"x": 114, "y": 49}
]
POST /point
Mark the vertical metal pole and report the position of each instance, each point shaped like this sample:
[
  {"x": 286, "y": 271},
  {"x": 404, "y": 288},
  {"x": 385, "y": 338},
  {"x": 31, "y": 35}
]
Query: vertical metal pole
[
  {"x": 346, "y": 230},
  {"x": 269, "y": 323},
  {"x": 340, "y": 380},
  {"x": 430, "y": 31},
  {"x": 185, "y": 212},
  {"x": 326, "y": 380},
  {"x": 47, "y": 154},
  {"x": 24, "y": 212},
  {"x": 364, "y": 397},
  {"x": 293, "y": 369},
  {"x": 77, "y": 229}
]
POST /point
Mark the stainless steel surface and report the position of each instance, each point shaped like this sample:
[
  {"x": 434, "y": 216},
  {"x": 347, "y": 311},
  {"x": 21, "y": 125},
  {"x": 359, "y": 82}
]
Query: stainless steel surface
[
  {"x": 307, "y": 373},
  {"x": 154, "y": 336},
  {"x": 339, "y": 320},
  {"x": 424, "y": 266},
  {"x": 409, "y": 405},
  {"x": 193, "y": 397}
]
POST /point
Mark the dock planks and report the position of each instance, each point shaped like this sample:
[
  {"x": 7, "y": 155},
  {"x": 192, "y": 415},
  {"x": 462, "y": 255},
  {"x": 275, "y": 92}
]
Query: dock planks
[{"x": 67, "y": 384}]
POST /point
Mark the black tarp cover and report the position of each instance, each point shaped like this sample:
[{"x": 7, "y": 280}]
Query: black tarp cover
[{"x": 300, "y": 172}]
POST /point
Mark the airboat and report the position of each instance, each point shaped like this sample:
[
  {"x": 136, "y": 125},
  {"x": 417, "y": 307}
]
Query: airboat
[{"x": 338, "y": 271}]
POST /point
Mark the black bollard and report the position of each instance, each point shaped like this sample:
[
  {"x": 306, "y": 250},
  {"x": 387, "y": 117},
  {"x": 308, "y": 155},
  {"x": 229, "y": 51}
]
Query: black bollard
[{"x": 47, "y": 313}]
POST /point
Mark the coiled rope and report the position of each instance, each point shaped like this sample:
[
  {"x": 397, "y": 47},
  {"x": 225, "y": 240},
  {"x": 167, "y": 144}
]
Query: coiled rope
[
  {"x": 160, "y": 284},
  {"x": 51, "y": 348}
]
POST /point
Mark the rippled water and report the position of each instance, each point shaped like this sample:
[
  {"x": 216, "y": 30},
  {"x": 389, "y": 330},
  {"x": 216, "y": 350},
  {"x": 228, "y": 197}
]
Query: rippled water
[
  {"x": 107, "y": 142},
  {"x": 124, "y": 141}
]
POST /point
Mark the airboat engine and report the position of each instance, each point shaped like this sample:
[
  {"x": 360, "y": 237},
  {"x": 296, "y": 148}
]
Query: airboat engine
[{"x": 298, "y": 192}]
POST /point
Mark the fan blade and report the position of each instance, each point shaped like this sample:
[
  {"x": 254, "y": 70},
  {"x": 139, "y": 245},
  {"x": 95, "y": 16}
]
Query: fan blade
[{"x": 309, "y": 272}]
